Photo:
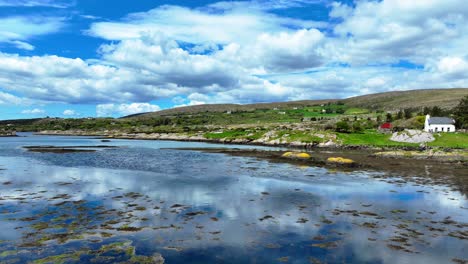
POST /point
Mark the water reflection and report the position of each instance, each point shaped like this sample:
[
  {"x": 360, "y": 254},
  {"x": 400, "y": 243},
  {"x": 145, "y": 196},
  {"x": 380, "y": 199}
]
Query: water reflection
[{"x": 196, "y": 207}]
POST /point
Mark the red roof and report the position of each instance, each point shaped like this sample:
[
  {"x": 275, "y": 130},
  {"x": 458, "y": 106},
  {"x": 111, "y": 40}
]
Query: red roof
[{"x": 386, "y": 126}]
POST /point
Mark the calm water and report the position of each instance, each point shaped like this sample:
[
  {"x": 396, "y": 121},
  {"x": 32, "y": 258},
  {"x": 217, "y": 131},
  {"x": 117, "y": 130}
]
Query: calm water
[{"x": 195, "y": 207}]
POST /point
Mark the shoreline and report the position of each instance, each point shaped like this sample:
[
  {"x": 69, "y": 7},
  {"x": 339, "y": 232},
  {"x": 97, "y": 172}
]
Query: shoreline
[
  {"x": 8, "y": 134},
  {"x": 297, "y": 145}
]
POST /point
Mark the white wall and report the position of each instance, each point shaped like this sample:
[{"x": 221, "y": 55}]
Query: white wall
[{"x": 439, "y": 128}]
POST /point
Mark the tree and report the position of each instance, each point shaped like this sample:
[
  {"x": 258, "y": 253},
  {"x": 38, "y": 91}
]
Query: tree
[
  {"x": 379, "y": 118},
  {"x": 426, "y": 110},
  {"x": 436, "y": 111},
  {"x": 389, "y": 117},
  {"x": 342, "y": 127},
  {"x": 460, "y": 113},
  {"x": 408, "y": 113},
  {"x": 399, "y": 115}
]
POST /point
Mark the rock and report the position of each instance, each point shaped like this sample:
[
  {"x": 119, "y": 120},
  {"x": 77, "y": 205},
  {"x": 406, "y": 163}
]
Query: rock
[
  {"x": 328, "y": 144},
  {"x": 7, "y": 134},
  {"x": 340, "y": 160},
  {"x": 157, "y": 259},
  {"x": 296, "y": 155},
  {"x": 412, "y": 136}
]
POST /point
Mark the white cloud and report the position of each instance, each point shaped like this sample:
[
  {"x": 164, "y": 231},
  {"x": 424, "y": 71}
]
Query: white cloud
[
  {"x": 104, "y": 110},
  {"x": 199, "y": 26},
  {"x": 9, "y": 99},
  {"x": 453, "y": 66},
  {"x": 58, "y": 79},
  {"x": 22, "y": 45},
  {"x": 69, "y": 112},
  {"x": 287, "y": 51},
  {"x": 33, "y": 3},
  {"x": 196, "y": 56},
  {"x": 393, "y": 30},
  {"x": 35, "y": 111},
  {"x": 264, "y": 4},
  {"x": 15, "y": 30}
]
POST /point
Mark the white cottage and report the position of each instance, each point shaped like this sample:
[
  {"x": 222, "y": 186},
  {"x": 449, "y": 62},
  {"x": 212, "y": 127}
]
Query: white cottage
[{"x": 439, "y": 124}]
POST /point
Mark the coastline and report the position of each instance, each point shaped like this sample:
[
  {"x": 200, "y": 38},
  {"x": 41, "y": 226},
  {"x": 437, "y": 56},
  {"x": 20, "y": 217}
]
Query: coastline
[
  {"x": 8, "y": 134},
  {"x": 446, "y": 155}
]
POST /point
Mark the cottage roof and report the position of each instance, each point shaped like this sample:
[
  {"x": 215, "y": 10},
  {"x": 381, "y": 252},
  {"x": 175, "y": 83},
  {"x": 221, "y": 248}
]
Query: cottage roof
[
  {"x": 440, "y": 121},
  {"x": 386, "y": 126}
]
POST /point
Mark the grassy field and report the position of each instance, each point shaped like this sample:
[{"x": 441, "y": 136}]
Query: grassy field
[
  {"x": 450, "y": 140},
  {"x": 236, "y": 134},
  {"x": 369, "y": 138},
  {"x": 373, "y": 138}
]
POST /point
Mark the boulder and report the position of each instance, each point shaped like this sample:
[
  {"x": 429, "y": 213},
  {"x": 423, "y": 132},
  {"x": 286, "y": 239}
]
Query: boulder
[{"x": 412, "y": 136}]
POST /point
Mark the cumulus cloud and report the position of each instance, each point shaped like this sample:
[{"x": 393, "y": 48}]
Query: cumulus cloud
[
  {"x": 196, "y": 56},
  {"x": 35, "y": 111},
  {"x": 59, "y": 79},
  {"x": 393, "y": 30},
  {"x": 105, "y": 110},
  {"x": 453, "y": 66}
]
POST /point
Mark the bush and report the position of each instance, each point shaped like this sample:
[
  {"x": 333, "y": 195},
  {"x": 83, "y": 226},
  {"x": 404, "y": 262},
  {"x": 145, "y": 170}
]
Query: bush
[
  {"x": 357, "y": 127},
  {"x": 408, "y": 113},
  {"x": 340, "y": 111},
  {"x": 342, "y": 127}
]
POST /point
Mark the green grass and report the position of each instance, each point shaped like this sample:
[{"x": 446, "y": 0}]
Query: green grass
[
  {"x": 356, "y": 111},
  {"x": 370, "y": 138},
  {"x": 236, "y": 134},
  {"x": 450, "y": 140},
  {"x": 302, "y": 136}
]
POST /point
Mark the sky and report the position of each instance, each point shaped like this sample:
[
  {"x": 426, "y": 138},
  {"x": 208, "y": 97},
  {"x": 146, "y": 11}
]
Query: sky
[{"x": 90, "y": 58}]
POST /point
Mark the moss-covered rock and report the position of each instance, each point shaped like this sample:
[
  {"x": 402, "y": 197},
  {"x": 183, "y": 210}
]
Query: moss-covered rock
[{"x": 296, "y": 155}]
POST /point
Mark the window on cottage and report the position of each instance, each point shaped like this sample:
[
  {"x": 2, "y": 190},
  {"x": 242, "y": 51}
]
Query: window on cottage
[
  {"x": 436, "y": 129},
  {"x": 448, "y": 129},
  {"x": 442, "y": 129}
]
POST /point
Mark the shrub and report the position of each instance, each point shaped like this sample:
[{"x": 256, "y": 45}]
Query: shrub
[
  {"x": 357, "y": 127},
  {"x": 342, "y": 127}
]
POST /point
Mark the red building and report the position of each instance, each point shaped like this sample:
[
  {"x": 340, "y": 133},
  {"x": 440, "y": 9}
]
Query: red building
[{"x": 386, "y": 126}]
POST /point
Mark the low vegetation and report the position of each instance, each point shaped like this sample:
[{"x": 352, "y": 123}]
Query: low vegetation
[{"x": 352, "y": 122}]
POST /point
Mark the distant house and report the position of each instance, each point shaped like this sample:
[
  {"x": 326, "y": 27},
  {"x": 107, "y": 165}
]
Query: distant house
[
  {"x": 439, "y": 124},
  {"x": 386, "y": 127}
]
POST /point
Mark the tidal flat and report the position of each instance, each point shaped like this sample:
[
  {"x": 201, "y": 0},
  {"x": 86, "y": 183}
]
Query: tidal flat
[{"x": 178, "y": 202}]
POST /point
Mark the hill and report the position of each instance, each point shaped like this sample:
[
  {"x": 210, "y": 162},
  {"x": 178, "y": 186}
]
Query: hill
[
  {"x": 388, "y": 101},
  {"x": 218, "y": 108},
  {"x": 444, "y": 98}
]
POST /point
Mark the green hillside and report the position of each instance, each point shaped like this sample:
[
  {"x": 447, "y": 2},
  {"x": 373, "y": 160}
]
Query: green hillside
[
  {"x": 444, "y": 98},
  {"x": 389, "y": 101}
]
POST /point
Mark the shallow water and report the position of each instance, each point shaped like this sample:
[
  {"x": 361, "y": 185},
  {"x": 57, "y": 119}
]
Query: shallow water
[{"x": 196, "y": 207}]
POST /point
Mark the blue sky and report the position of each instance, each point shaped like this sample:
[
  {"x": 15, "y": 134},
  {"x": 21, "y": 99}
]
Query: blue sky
[{"x": 98, "y": 58}]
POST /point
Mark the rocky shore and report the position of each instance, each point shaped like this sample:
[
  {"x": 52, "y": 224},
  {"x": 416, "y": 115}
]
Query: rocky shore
[
  {"x": 191, "y": 137},
  {"x": 7, "y": 134},
  {"x": 401, "y": 152}
]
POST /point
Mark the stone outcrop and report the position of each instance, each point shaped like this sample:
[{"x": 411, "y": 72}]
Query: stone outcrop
[
  {"x": 7, "y": 134},
  {"x": 412, "y": 136}
]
